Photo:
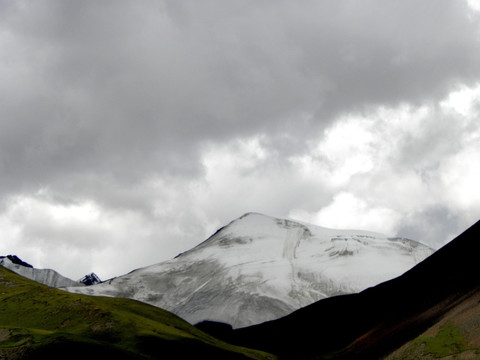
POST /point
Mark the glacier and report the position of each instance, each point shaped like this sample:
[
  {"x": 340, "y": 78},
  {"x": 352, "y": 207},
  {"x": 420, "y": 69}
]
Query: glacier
[
  {"x": 47, "y": 277},
  {"x": 259, "y": 268}
]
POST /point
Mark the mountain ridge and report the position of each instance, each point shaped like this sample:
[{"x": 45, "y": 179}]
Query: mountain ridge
[
  {"x": 47, "y": 277},
  {"x": 257, "y": 268},
  {"x": 378, "y": 320}
]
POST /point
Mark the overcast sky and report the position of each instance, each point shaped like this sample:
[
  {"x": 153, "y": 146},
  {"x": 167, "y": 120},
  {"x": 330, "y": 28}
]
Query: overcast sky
[{"x": 131, "y": 130}]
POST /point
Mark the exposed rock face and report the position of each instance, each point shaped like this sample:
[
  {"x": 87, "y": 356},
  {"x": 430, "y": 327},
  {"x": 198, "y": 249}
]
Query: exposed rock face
[
  {"x": 90, "y": 279},
  {"x": 259, "y": 268},
  {"x": 16, "y": 260}
]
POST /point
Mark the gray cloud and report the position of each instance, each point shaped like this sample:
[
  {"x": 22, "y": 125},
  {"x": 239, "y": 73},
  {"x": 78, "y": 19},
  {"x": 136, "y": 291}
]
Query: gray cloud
[
  {"x": 104, "y": 101},
  {"x": 433, "y": 225}
]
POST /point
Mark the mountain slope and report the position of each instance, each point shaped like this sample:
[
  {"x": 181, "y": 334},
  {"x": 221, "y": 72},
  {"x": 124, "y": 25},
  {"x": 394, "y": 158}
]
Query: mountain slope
[
  {"x": 47, "y": 277},
  {"x": 259, "y": 268},
  {"x": 378, "y": 320},
  {"x": 456, "y": 334},
  {"x": 37, "y": 321}
]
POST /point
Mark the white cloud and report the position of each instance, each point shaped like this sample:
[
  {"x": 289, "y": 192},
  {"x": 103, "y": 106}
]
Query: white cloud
[
  {"x": 460, "y": 177},
  {"x": 74, "y": 238},
  {"x": 474, "y": 4},
  {"x": 462, "y": 101},
  {"x": 397, "y": 165},
  {"x": 349, "y": 212},
  {"x": 344, "y": 151}
]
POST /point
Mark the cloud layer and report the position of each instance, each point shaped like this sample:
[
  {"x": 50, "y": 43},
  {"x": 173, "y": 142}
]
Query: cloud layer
[{"x": 129, "y": 131}]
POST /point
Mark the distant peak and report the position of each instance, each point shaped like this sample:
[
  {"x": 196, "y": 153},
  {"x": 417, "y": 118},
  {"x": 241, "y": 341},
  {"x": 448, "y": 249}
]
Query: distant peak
[
  {"x": 251, "y": 214},
  {"x": 16, "y": 260},
  {"x": 90, "y": 279},
  {"x": 259, "y": 217},
  {"x": 251, "y": 218}
]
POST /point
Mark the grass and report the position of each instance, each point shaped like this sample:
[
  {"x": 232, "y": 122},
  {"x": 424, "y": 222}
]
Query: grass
[
  {"x": 448, "y": 341},
  {"x": 37, "y": 321}
]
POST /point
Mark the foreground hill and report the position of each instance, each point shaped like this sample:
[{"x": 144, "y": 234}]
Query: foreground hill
[
  {"x": 40, "y": 322},
  {"x": 259, "y": 268},
  {"x": 431, "y": 303}
]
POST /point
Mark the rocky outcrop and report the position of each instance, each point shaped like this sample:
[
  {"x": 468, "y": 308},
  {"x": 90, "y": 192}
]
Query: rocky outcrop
[{"x": 90, "y": 279}]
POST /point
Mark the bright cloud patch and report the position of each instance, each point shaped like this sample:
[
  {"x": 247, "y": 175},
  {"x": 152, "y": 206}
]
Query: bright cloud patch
[
  {"x": 346, "y": 210},
  {"x": 474, "y": 4},
  {"x": 345, "y": 150},
  {"x": 461, "y": 176},
  {"x": 463, "y": 101},
  {"x": 391, "y": 166},
  {"x": 72, "y": 238}
]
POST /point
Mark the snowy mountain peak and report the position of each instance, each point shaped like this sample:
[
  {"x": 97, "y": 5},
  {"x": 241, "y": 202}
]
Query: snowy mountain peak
[
  {"x": 16, "y": 260},
  {"x": 252, "y": 220},
  {"x": 250, "y": 227},
  {"x": 259, "y": 268}
]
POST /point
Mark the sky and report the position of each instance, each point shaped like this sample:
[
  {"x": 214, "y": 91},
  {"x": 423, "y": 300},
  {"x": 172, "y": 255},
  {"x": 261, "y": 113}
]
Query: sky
[{"x": 131, "y": 130}]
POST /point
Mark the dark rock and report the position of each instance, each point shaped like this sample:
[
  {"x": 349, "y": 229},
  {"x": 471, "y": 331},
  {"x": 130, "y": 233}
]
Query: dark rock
[
  {"x": 90, "y": 279},
  {"x": 16, "y": 260}
]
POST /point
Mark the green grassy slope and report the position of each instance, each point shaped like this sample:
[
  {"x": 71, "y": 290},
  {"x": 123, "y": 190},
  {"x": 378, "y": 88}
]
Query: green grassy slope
[{"x": 37, "y": 321}]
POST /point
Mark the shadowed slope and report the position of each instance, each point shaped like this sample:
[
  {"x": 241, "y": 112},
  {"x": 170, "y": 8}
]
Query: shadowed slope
[
  {"x": 380, "y": 319},
  {"x": 457, "y": 335},
  {"x": 37, "y": 321}
]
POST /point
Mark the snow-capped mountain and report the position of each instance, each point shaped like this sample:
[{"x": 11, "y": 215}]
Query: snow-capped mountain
[
  {"x": 47, "y": 277},
  {"x": 259, "y": 268}
]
